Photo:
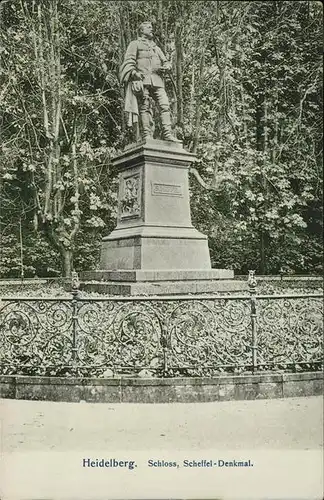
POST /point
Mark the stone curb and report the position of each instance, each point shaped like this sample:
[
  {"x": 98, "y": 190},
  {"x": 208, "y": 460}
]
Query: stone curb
[{"x": 156, "y": 390}]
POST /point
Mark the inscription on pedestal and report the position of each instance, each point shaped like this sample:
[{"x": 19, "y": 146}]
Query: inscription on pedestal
[
  {"x": 130, "y": 202},
  {"x": 163, "y": 189}
]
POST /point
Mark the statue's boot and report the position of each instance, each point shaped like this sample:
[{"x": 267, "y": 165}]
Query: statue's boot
[
  {"x": 166, "y": 127},
  {"x": 147, "y": 125}
]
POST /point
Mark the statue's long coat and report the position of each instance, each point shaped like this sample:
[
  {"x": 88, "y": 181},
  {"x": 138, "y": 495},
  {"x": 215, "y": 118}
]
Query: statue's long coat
[{"x": 146, "y": 57}]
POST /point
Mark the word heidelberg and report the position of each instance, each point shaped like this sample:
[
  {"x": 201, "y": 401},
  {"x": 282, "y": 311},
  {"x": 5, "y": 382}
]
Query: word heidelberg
[{"x": 110, "y": 462}]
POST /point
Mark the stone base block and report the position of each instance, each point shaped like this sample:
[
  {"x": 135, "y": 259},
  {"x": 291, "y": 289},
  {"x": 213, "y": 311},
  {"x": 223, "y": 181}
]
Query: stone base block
[
  {"x": 158, "y": 252},
  {"x": 140, "y": 275},
  {"x": 164, "y": 287}
]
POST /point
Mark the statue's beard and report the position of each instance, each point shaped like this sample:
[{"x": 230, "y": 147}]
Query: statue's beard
[{"x": 150, "y": 36}]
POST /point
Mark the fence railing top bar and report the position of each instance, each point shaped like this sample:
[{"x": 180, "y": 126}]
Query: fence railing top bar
[
  {"x": 278, "y": 277},
  {"x": 34, "y": 280},
  {"x": 117, "y": 298},
  {"x": 292, "y": 296},
  {"x": 36, "y": 298},
  {"x": 159, "y": 298}
]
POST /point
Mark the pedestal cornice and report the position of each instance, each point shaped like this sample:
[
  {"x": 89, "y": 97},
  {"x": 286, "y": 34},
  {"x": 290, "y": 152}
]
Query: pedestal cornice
[{"x": 154, "y": 151}]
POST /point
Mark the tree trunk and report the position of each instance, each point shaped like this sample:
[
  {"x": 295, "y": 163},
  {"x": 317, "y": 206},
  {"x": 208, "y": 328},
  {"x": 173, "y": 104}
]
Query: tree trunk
[
  {"x": 264, "y": 238},
  {"x": 122, "y": 50},
  {"x": 198, "y": 104},
  {"x": 179, "y": 76},
  {"x": 263, "y": 255},
  {"x": 258, "y": 126},
  {"x": 66, "y": 261},
  {"x": 192, "y": 91},
  {"x": 160, "y": 24}
]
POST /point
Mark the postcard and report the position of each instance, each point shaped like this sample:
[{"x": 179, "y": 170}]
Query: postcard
[{"x": 161, "y": 330}]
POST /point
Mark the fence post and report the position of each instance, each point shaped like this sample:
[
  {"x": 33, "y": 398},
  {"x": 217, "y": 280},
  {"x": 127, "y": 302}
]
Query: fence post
[
  {"x": 164, "y": 343},
  {"x": 75, "y": 285},
  {"x": 252, "y": 289}
]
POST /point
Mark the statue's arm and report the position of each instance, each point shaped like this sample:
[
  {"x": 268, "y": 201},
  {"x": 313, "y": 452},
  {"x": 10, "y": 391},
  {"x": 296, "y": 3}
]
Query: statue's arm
[
  {"x": 128, "y": 68},
  {"x": 166, "y": 65},
  {"x": 161, "y": 55},
  {"x": 131, "y": 52}
]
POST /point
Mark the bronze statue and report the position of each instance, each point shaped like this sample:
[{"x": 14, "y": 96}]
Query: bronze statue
[{"x": 142, "y": 73}]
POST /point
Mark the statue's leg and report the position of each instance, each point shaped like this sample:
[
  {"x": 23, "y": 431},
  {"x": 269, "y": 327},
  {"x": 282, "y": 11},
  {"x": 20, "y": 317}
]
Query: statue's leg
[
  {"x": 146, "y": 113},
  {"x": 137, "y": 132},
  {"x": 163, "y": 102}
]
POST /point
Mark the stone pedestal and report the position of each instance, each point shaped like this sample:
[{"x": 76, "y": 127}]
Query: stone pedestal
[
  {"x": 154, "y": 243},
  {"x": 154, "y": 229}
]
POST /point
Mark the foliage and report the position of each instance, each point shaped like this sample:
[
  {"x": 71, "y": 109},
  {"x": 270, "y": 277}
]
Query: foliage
[
  {"x": 38, "y": 258},
  {"x": 55, "y": 149},
  {"x": 246, "y": 97},
  {"x": 261, "y": 140}
]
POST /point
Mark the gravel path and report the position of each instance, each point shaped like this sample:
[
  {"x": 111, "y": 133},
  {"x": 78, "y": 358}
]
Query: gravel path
[{"x": 294, "y": 423}]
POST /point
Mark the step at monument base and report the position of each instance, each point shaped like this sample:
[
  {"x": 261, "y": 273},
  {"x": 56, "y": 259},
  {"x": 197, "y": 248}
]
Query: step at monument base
[
  {"x": 139, "y": 275},
  {"x": 164, "y": 287}
]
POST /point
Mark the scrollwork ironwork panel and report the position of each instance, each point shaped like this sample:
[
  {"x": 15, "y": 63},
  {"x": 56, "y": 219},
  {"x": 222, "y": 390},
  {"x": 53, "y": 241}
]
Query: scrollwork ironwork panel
[
  {"x": 166, "y": 336},
  {"x": 119, "y": 335},
  {"x": 35, "y": 334},
  {"x": 207, "y": 337},
  {"x": 290, "y": 331}
]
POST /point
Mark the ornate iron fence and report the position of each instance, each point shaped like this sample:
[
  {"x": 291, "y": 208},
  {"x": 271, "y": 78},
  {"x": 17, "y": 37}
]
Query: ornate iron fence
[{"x": 161, "y": 336}]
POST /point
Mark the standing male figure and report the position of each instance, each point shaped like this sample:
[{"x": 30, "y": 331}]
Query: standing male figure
[{"x": 142, "y": 74}]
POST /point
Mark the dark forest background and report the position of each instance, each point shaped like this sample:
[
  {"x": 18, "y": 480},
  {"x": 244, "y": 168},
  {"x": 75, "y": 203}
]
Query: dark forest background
[{"x": 246, "y": 97}]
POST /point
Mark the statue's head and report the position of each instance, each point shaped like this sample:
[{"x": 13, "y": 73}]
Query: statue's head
[{"x": 146, "y": 29}]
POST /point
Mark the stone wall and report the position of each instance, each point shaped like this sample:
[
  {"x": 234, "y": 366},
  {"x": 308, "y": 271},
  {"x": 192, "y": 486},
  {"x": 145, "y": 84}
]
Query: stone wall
[{"x": 172, "y": 390}]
